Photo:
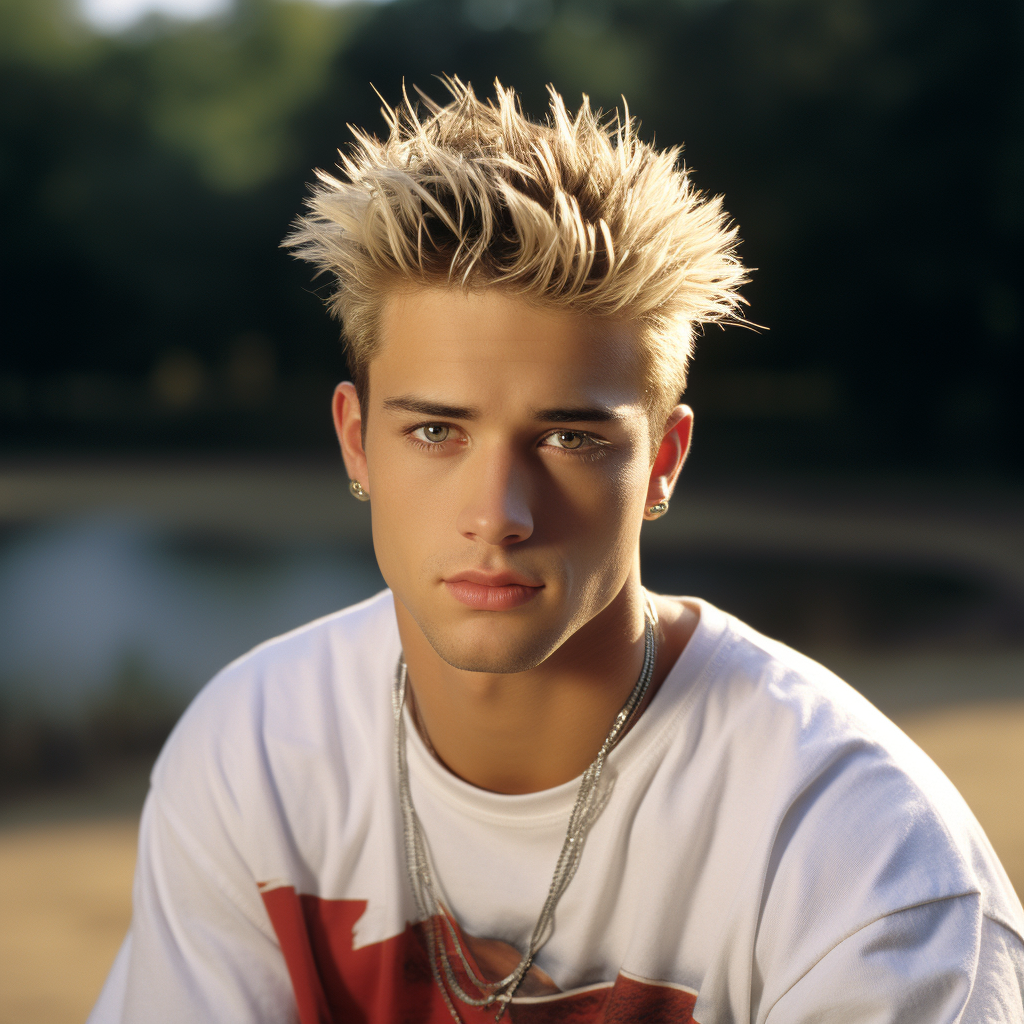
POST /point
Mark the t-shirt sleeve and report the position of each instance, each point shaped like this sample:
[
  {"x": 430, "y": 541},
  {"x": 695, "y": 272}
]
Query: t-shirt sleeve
[
  {"x": 998, "y": 993},
  {"x": 200, "y": 948},
  {"x": 938, "y": 962}
]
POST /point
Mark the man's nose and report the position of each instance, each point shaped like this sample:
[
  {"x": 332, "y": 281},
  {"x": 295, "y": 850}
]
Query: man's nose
[{"x": 496, "y": 506}]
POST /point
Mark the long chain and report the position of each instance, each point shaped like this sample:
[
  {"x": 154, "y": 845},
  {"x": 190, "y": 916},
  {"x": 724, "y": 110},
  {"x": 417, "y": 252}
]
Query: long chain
[{"x": 440, "y": 927}]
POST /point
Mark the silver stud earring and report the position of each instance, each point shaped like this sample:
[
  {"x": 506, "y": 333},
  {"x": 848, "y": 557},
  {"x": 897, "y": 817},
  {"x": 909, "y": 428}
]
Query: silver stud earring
[
  {"x": 657, "y": 511},
  {"x": 356, "y": 490}
]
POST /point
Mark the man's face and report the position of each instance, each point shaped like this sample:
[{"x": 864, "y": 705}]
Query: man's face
[{"x": 508, "y": 454}]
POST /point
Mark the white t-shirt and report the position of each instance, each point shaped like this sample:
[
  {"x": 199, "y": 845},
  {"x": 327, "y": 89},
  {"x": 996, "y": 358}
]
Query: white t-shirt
[{"x": 770, "y": 849}]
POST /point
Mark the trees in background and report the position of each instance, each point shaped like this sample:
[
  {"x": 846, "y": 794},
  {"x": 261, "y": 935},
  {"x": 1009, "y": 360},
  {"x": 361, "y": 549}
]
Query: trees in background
[{"x": 871, "y": 150}]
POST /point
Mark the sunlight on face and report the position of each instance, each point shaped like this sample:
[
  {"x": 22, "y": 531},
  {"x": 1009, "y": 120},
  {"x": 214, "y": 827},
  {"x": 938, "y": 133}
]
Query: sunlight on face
[{"x": 508, "y": 454}]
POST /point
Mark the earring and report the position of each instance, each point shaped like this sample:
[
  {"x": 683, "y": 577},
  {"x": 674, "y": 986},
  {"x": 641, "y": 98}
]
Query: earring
[
  {"x": 356, "y": 490},
  {"x": 657, "y": 511}
]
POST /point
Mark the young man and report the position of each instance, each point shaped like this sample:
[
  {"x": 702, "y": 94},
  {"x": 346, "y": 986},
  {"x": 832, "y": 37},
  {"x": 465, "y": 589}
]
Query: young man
[{"x": 515, "y": 784}]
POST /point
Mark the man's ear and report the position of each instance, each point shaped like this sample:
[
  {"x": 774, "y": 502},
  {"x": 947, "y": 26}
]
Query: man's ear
[
  {"x": 675, "y": 444},
  {"x": 348, "y": 424}
]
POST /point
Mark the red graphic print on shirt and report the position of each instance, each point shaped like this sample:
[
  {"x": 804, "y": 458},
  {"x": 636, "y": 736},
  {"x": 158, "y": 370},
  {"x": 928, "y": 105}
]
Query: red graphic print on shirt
[{"x": 391, "y": 982}]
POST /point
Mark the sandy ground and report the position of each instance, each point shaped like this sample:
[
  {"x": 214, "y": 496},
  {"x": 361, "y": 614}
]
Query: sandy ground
[{"x": 65, "y": 889}]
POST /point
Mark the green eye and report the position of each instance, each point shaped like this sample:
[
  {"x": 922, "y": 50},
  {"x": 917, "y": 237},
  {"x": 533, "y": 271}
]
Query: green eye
[
  {"x": 435, "y": 432},
  {"x": 569, "y": 439}
]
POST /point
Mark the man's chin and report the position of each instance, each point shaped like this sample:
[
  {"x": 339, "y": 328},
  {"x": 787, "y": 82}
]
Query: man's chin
[{"x": 491, "y": 650}]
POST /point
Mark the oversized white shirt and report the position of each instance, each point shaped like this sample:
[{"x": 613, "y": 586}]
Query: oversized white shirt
[{"x": 770, "y": 849}]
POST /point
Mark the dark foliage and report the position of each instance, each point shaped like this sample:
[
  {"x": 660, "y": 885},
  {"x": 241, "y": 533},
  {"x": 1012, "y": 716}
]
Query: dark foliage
[{"x": 871, "y": 151}]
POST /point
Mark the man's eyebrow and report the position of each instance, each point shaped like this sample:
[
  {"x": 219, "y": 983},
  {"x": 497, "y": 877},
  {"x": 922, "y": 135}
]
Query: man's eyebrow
[
  {"x": 570, "y": 414},
  {"x": 584, "y": 414},
  {"x": 424, "y": 407}
]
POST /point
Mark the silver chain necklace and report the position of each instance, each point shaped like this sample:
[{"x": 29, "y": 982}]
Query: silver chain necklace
[{"x": 429, "y": 907}]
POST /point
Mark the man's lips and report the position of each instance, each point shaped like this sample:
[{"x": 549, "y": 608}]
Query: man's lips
[{"x": 491, "y": 591}]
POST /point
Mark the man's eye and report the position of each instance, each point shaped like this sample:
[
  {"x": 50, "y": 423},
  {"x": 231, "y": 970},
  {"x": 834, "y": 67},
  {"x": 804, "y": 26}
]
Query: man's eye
[
  {"x": 434, "y": 433},
  {"x": 569, "y": 439}
]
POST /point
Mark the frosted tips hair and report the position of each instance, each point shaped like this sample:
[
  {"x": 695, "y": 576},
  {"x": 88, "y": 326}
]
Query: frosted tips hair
[{"x": 575, "y": 212}]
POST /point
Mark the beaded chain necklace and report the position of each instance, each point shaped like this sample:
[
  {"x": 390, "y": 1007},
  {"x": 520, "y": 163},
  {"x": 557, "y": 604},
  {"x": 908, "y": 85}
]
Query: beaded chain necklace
[{"x": 429, "y": 907}]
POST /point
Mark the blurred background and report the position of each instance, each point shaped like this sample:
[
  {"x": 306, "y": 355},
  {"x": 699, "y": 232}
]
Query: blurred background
[{"x": 169, "y": 489}]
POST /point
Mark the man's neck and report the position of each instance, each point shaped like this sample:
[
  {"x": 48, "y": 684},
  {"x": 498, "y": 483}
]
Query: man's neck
[{"x": 528, "y": 731}]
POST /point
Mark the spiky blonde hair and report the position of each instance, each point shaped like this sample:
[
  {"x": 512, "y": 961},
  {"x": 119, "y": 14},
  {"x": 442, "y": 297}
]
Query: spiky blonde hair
[{"x": 575, "y": 213}]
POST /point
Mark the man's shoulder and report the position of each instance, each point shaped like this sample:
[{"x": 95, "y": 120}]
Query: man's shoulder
[
  {"x": 741, "y": 680},
  {"x": 311, "y": 689},
  {"x": 850, "y": 794},
  {"x": 354, "y": 632},
  {"x": 330, "y": 653},
  {"x": 813, "y": 713},
  {"x": 811, "y": 732}
]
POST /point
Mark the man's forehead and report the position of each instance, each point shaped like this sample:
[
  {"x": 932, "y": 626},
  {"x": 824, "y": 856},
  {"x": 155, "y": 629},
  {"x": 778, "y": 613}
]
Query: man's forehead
[{"x": 440, "y": 342}]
